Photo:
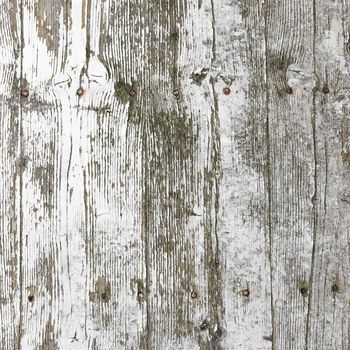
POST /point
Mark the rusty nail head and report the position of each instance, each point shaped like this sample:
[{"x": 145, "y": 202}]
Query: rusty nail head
[
  {"x": 132, "y": 93},
  {"x": 104, "y": 296},
  {"x": 218, "y": 333},
  {"x": 303, "y": 290},
  {"x": 140, "y": 295},
  {"x": 325, "y": 89},
  {"x": 176, "y": 93},
  {"x": 194, "y": 294},
  {"x": 246, "y": 292},
  {"x": 24, "y": 93},
  {"x": 335, "y": 288},
  {"x": 204, "y": 325},
  {"x": 30, "y": 298},
  {"x": 226, "y": 90},
  {"x": 80, "y": 91}
]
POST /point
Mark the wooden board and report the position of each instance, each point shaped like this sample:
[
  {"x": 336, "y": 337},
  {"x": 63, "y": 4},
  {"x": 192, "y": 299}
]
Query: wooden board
[{"x": 174, "y": 175}]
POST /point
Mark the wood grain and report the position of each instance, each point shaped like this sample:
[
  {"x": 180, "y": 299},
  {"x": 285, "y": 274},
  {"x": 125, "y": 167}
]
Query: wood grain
[
  {"x": 174, "y": 175},
  {"x": 330, "y": 297},
  {"x": 10, "y": 182}
]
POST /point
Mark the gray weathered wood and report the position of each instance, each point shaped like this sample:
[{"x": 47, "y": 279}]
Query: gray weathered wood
[{"x": 174, "y": 174}]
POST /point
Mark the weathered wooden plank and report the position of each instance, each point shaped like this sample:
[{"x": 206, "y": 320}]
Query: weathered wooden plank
[
  {"x": 83, "y": 271},
  {"x": 328, "y": 326},
  {"x": 178, "y": 177},
  {"x": 10, "y": 175},
  {"x": 147, "y": 206},
  {"x": 44, "y": 243},
  {"x": 243, "y": 220},
  {"x": 10, "y": 183},
  {"x": 112, "y": 152},
  {"x": 291, "y": 166}
]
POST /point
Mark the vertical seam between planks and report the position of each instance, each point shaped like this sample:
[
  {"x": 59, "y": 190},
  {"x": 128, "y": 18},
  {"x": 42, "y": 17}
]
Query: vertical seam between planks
[
  {"x": 145, "y": 226},
  {"x": 89, "y": 234},
  {"x": 213, "y": 28},
  {"x": 88, "y": 29},
  {"x": 314, "y": 197},
  {"x": 20, "y": 169},
  {"x": 268, "y": 172},
  {"x": 217, "y": 140},
  {"x": 215, "y": 130}
]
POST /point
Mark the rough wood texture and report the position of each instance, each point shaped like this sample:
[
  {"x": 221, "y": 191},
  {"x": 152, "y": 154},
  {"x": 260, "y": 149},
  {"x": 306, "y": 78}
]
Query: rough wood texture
[{"x": 174, "y": 174}]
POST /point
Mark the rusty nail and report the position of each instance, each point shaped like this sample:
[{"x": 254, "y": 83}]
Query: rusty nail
[
  {"x": 204, "y": 325},
  {"x": 140, "y": 295},
  {"x": 132, "y": 93},
  {"x": 226, "y": 90},
  {"x": 194, "y": 294},
  {"x": 335, "y": 288},
  {"x": 176, "y": 93},
  {"x": 80, "y": 91},
  {"x": 30, "y": 298},
  {"x": 289, "y": 90},
  {"x": 325, "y": 89},
  {"x": 24, "y": 93},
  {"x": 245, "y": 292},
  {"x": 104, "y": 296},
  {"x": 303, "y": 290},
  {"x": 218, "y": 333}
]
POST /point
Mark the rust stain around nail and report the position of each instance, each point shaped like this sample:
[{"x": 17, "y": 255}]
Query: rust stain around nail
[
  {"x": 335, "y": 288},
  {"x": 226, "y": 90},
  {"x": 204, "y": 325},
  {"x": 303, "y": 290},
  {"x": 246, "y": 292},
  {"x": 194, "y": 294},
  {"x": 24, "y": 93},
  {"x": 80, "y": 91},
  {"x": 325, "y": 89}
]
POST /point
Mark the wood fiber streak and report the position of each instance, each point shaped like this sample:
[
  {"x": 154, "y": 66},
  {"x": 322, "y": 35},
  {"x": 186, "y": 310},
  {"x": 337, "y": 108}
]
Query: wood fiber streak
[
  {"x": 243, "y": 219},
  {"x": 10, "y": 178},
  {"x": 291, "y": 166},
  {"x": 43, "y": 244},
  {"x": 174, "y": 175},
  {"x": 328, "y": 326}
]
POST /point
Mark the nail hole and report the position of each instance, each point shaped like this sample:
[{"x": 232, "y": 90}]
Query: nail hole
[
  {"x": 289, "y": 90},
  {"x": 132, "y": 93},
  {"x": 335, "y": 288},
  {"x": 140, "y": 295},
  {"x": 204, "y": 325},
  {"x": 226, "y": 90},
  {"x": 30, "y": 298},
  {"x": 303, "y": 290},
  {"x": 325, "y": 89},
  {"x": 194, "y": 294},
  {"x": 176, "y": 93},
  {"x": 246, "y": 292},
  {"x": 24, "y": 93},
  {"x": 218, "y": 333},
  {"x": 104, "y": 296},
  {"x": 80, "y": 91}
]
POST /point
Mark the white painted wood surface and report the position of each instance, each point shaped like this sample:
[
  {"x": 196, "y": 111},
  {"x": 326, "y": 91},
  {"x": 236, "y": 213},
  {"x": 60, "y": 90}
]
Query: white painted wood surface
[{"x": 174, "y": 175}]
